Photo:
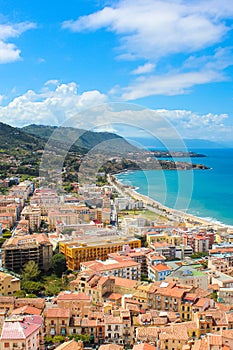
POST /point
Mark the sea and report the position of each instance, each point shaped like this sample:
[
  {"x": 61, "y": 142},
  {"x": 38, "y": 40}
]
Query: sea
[{"x": 204, "y": 193}]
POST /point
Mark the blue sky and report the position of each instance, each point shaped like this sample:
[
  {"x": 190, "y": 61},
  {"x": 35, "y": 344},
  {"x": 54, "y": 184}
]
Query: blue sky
[{"x": 172, "y": 56}]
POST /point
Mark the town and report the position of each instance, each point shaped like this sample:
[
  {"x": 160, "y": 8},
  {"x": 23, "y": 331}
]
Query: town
[{"x": 106, "y": 268}]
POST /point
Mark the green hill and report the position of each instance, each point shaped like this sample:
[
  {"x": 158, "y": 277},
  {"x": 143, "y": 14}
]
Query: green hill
[
  {"x": 12, "y": 138},
  {"x": 82, "y": 139}
]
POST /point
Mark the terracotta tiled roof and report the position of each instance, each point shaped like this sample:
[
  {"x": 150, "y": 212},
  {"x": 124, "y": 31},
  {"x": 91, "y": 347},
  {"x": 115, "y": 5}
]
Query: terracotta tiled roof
[
  {"x": 23, "y": 310},
  {"x": 72, "y": 296},
  {"x": 112, "y": 320},
  {"x": 201, "y": 302},
  {"x": 110, "y": 347},
  {"x": 124, "y": 282},
  {"x": 113, "y": 296},
  {"x": 160, "y": 267},
  {"x": 57, "y": 312},
  {"x": 39, "y": 303},
  {"x": 70, "y": 345},
  {"x": 190, "y": 296},
  {"x": 144, "y": 346}
]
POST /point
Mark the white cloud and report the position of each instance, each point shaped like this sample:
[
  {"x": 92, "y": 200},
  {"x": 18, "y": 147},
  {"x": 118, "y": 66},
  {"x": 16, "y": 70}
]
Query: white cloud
[
  {"x": 146, "y": 68},
  {"x": 194, "y": 71},
  {"x": 175, "y": 83},
  {"x": 89, "y": 110},
  {"x": 9, "y": 51},
  {"x": 155, "y": 28},
  {"x": 159, "y": 31},
  {"x": 49, "y": 106},
  {"x": 52, "y": 82}
]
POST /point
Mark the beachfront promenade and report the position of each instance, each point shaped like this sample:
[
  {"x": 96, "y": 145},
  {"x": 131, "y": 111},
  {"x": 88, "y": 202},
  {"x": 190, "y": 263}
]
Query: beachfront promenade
[{"x": 156, "y": 207}]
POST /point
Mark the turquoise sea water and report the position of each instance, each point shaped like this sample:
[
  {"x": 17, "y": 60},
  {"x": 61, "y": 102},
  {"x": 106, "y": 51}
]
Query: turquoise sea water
[{"x": 204, "y": 193}]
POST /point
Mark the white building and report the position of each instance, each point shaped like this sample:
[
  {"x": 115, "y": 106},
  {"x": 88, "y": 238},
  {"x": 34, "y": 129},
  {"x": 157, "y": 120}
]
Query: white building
[{"x": 110, "y": 267}]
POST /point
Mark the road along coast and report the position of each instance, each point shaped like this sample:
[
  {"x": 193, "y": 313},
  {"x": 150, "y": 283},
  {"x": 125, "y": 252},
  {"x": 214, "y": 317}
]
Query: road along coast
[{"x": 171, "y": 215}]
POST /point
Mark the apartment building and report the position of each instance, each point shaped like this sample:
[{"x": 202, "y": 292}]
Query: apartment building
[
  {"x": 57, "y": 321},
  {"x": 97, "y": 286},
  {"x": 158, "y": 272},
  {"x": 78, "y": 303},
  {"x": 91, "y": 248},
  {"x": 113, "y": 329},
  {"x": 44, "y": 198},
  {"x": 110, "y": 267},
  {"x": 200, "y": 242},
  {"x": 166, "y": 296},
  {"x": 18, "y": 250},
  {"x": 139, "y": 255},
  {"x": 32, "y": 213}
]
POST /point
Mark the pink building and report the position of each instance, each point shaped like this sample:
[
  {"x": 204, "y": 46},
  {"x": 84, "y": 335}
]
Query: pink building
[{"x": 22, "y": 332}]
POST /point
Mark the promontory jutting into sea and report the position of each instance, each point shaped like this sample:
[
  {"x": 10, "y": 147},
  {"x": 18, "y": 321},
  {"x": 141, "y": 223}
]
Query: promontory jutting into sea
[{"x": 212, "y": 189}]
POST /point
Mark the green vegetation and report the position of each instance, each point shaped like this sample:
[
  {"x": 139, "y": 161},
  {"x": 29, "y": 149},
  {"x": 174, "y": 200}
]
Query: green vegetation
[
  {"x": 58, "y": 264},
  {"x": 53, "y": 285},
  {"x": 84, "y": 337},
  {"x": 57, "y": 339},
  {"x": 30, "y": 278},
  {"x": 199, "y": 255},
  {"x": 214, "y": 296},
  {"x": 34, "y": 282}
]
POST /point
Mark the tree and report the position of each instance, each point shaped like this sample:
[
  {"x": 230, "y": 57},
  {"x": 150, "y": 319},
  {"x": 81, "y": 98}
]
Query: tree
[
  {"x": 52, "y": 289},
  {"x": 84, "y": 337},
  {"x": 58, "y": 339},
  {"x": 32, "y": 287},
  {"x": 58, "y": 264},
  {"x": 20, "y": 293},
  {"x": 30, "y": 272}
]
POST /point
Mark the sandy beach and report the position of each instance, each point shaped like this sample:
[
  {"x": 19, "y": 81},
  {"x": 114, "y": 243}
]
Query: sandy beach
[{"x": 160, "y": 209}]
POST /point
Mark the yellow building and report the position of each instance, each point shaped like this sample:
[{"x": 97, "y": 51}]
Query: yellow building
[
  {"x": 153, "y": 237},
  {"x": 174, "y": 239},
  {"x": 8, "y": 284},
  {"x": 141, "y": 295},
  {"x": 92, "y": 249}
]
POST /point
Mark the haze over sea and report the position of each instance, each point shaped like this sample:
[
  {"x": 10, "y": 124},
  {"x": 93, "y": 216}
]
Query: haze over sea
[{"x": 204, "y": 193}]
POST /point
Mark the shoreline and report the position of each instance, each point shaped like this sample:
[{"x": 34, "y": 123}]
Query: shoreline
[{"x": 158, "y": 208}]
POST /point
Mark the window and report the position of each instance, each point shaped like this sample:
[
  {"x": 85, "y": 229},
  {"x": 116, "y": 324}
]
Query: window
[{"x": 6, "y": 345}]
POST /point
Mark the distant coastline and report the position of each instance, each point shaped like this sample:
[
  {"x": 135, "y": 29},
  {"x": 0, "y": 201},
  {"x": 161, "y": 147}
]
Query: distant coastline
[{"x": 211, "y": 193}]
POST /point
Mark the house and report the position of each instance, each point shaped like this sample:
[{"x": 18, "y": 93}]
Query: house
[
  {"x": 57, "y": 321},
  {"x": 24, "y": 332},
  {"x": 158, "y": 272}
]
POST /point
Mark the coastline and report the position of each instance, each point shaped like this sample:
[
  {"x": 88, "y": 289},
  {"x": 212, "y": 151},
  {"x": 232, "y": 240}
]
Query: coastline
[{"x": 158, "y": 208}]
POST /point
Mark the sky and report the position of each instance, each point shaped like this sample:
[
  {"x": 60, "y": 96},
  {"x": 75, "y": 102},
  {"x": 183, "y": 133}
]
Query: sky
[{"x": 174, "y": 57}]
